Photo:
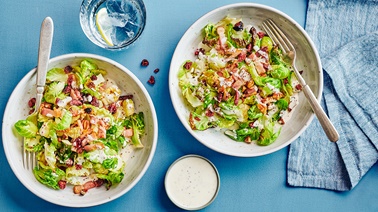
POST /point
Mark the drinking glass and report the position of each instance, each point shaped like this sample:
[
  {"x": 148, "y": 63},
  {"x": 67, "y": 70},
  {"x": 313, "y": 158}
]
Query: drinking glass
[{"x": 113, "y": 24}]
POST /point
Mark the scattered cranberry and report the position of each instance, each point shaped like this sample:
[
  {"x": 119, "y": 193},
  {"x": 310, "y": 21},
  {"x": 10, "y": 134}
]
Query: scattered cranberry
[
  {"x": 78, "y": 167},
  {"x": 151, "y": 80},
  {"x": 238, "y": 26},
  {"x": 156, "y": 70},
  {"x": 31, "y": 102},
  {"x": 93, "y": 77},
  {"x": 144, "y": 63}
]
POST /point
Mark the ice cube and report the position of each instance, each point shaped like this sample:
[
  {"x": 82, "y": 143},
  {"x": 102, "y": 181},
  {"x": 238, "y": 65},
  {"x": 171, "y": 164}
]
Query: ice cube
[
  {"x": 118, "y": 19},
  {"x": 113, "y": 6}
]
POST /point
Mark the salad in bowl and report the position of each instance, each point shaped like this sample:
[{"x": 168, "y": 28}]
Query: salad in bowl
[
  {"x": 230, "y": 86},
  {"x": 82, "y": 124},
  {"x": 239, "y": 81},
  {"x": 95, "y": 134}
]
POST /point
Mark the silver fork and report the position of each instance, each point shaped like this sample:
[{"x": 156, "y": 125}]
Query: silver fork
[
  {"x": 278, "y": 37},
  {"x": 45, "y": 41}
]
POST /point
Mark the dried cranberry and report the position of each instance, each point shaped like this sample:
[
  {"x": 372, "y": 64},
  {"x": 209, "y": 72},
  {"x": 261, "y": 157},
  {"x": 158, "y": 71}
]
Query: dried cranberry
[
  {"x": 93, "y": 77},
  {"x": 188, "y": 65},
  {"x": 70, "y": 79},
  {"x": 76, "y": 102},
  {"x": 67, "y": 89},
  {"x": 95, "y": 102},
  {"x": 249, "y": 47},
  {"x": 78, "y": 167},
  {"x": 242, "y": 56},
  {"x": 151, "y": 80},
  {"x": 264, "y": 49},
  {"x": 209, "y": 113},
  {"x": 112, "y": 108},
  {"x": 144, "y": 62},
  {"x": 238, "y": 26},
  {"x": 99, "y": 182},
  {"x": 67, "y": 69},
  {"x": 62, "y": 184},
  {"x": 298, "y": 87},
  {"x": 88, "y": 110},
  {"x": 261, "y": 34},
  {"x": 156, "y": 70},
  {"x": 199, "y": 50},
  {"x": 69, "y": 162},
  {"x": 91, "y": 85},
  {"x": 124, "y": 97},
  {"x": 31, "y": 102}
]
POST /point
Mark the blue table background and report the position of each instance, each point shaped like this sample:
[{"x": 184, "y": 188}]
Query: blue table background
[{"x": 247, "y": 184}]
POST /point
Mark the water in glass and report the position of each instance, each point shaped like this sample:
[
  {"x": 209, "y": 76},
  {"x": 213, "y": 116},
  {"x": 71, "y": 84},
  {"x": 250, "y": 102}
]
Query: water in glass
[{"x": 113, "y": 24}]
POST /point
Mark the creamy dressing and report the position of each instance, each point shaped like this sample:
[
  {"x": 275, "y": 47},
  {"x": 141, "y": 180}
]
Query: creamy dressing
[{"x": 192, "y": 182}]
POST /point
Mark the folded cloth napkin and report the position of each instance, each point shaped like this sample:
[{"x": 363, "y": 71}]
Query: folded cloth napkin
[{"x": 346, "y": 35}]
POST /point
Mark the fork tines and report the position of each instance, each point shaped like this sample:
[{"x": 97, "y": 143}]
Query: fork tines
[
  {"x": 29, "y": 160},
  {"x": 277, "y": 36}
]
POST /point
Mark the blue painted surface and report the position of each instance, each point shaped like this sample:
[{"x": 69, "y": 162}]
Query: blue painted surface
[{"x": 247, "y": 184}]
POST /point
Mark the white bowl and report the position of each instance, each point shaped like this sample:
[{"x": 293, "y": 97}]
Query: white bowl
[
  {"x": 307, "y": 60},
  {"x": 137, "y": 161}
]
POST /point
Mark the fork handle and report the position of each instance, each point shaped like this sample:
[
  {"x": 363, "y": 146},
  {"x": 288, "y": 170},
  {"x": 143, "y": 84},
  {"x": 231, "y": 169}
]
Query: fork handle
[
  {"x": 327, "y": 125},
  {"x": 45, "y": 42}
]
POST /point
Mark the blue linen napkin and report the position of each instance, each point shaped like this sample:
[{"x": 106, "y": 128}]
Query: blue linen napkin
[{"x": 346, "y": 35}]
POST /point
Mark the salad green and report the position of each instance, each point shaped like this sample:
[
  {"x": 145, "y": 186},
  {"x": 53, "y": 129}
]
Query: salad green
[
  {"x": 82, "y": 126},
  {"x": 239, "y": 82}
]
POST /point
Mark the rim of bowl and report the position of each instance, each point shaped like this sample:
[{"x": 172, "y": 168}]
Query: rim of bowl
[{"x": 303, "y": 32}]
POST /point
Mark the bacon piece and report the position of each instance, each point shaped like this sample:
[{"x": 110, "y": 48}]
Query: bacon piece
[
  {"x": 92, "y": 147},
  {"x": 262, "y": 108},
  {"x": 128, "y": 133},
  {"x": 237, "y": 84},
  {"x": 259, "y": 68},
  {"x": 48, "y": 112}
]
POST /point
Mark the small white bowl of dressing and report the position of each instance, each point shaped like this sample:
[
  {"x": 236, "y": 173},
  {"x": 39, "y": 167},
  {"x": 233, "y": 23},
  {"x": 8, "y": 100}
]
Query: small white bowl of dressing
[{"x": 192, "y": 182}]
